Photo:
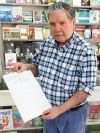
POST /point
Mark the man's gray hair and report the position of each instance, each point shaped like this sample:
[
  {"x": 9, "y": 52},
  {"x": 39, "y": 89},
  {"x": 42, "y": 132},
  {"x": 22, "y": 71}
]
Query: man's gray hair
[{"x": 70, "y": 11}]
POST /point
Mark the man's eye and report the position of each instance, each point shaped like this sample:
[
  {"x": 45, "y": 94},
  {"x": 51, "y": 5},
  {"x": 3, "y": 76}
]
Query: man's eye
[
  {"x": 51, "y": 24},
  {"x": 61, "y": 23}
]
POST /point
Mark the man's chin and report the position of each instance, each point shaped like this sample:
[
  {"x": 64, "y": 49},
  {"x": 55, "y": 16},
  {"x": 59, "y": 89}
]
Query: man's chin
[{"x": 60, "y": 41}]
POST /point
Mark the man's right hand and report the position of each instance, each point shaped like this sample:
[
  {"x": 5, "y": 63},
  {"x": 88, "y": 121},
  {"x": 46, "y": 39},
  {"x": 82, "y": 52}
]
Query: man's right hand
[{"x": 19, "y": 67}]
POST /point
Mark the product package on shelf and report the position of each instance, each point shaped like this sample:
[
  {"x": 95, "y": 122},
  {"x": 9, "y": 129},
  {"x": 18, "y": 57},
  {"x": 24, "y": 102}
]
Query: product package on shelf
[
  {"x": 10, "y": 60},
  {"x": 6, "y": 121}
]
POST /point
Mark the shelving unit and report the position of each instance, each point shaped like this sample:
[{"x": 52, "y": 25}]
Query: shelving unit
[{"x": 5, "y": 96}]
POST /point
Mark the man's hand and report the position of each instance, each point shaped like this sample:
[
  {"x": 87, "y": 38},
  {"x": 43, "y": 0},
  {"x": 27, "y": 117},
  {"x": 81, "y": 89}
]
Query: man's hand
[
  {"x": 19, "y": 67},
  {"x": 51, "y": 113}
]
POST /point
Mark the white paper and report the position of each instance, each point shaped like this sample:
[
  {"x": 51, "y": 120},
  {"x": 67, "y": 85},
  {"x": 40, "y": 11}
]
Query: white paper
[{"x": 27, "y": 94}]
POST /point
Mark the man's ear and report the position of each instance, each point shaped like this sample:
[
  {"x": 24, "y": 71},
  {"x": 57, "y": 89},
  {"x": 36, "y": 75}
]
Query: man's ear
[{"x": 74, "y": 22}]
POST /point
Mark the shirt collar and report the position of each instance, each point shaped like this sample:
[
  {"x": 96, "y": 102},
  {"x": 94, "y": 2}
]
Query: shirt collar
[{"x": 65, "y": 47}]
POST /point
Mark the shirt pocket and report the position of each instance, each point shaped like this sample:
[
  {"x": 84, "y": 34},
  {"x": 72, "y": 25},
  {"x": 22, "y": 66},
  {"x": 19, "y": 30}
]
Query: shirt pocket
[{"x": 69, "y": 78}]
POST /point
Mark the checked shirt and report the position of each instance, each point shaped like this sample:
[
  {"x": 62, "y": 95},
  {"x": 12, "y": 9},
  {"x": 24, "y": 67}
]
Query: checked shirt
[{"x": 64, "y": 70}]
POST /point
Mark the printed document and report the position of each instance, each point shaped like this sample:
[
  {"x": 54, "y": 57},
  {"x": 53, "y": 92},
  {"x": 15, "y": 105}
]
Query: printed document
[{"x": 27, "y": 94}]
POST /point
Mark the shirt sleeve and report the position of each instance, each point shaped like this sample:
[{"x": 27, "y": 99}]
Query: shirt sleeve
[
  {"x": 87, "y": 79},
  {"x": 37, "y": 55}
]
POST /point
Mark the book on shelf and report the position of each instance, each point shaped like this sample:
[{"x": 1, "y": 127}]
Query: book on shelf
[
  {"x": 44, "y": 16},
  {"x": 28, "y": 1},
  {"x": 95, "y": 34},
  {"x": 27, "y": 16},
  {"x": 6, "y": 33},
  {"x": 10, "y": 60},
  {"x": 94, "y": 16},
  {"x": 94, "y": 112},
  {"x": 75, "y": 3},
  {"x": 11, "y": 1},
  {"x": 17, "y": 120},
  {"x": 84, "y": 16},
  {"x": 11, "y": 33},
  {"x": 11, "y": 132},
  {"x": 31, "y": 33},
  {"x": 46, "y": 33},
  {"x": 20, "y": 1},
  {"x": 5, "y": 14},
  {"x": 37, "y": 16},
  {"x": 85, "y": 2},
  {"x": 44, "y": 1},
  {"x": 36, "y": 1},
  {"x": 38, "y": 33},
  {"x": 37, "y": 122},
  {"x": 93, "y": 2},
  {"x": 16, "y": 13},
  {"x": 80, "y": 30},
  {"x": 23, "y": 31},
  {"x": 6, "y": 121},
  {"x": 2, "y": 1},
  {"x": 98, "y": 3},
  {"x": 15, "y": 33}
]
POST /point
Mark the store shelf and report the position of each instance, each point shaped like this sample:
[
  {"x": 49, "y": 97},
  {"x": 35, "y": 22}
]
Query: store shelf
[
  {"x": 87, "y": 7},
  {"x": 24, "y": 4},
  {"x": 20, "y": 129},
  {"x": 21, "y": 40}
]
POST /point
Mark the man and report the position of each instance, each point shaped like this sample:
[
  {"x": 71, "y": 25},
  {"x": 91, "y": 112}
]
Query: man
[{"x": 66, "y": 65}]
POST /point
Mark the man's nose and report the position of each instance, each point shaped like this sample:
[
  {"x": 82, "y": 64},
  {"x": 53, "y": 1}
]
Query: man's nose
[{"x": 57, "y": 27}]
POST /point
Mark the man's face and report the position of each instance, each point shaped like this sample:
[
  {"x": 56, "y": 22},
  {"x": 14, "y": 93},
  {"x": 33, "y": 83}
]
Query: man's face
[{"x": 61, "y": 26}]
